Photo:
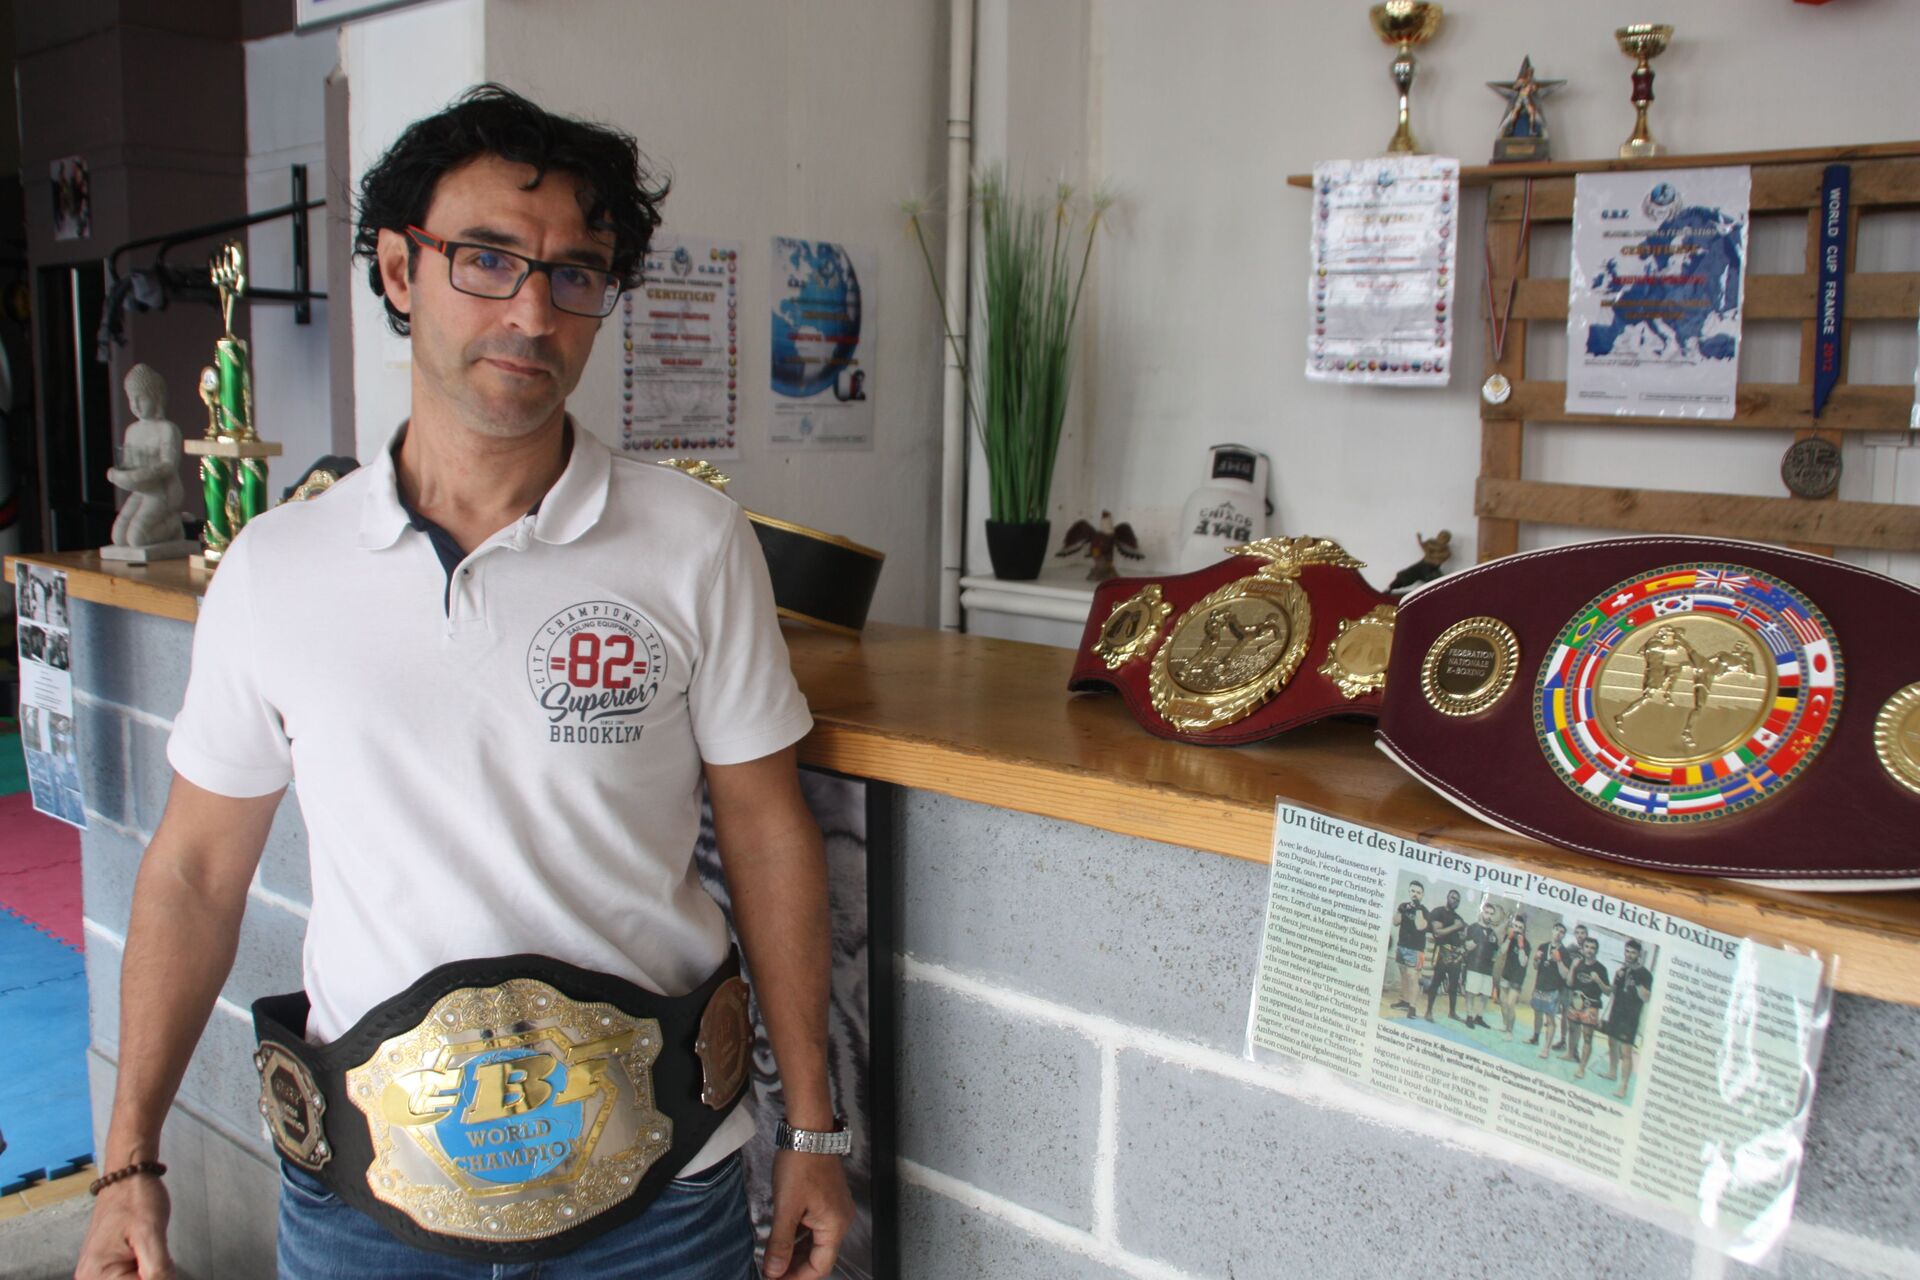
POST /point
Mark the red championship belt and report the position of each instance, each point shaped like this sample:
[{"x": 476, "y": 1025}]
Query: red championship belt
[
  {"x": 1692, "y": 704},
  {"x": 1282, "y": 632}
]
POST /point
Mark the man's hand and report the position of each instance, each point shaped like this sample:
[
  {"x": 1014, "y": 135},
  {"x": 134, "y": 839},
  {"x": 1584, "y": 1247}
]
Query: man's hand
[
  {"x": 810, "y": 1193},
  {"x": 127, "y": 1236}
]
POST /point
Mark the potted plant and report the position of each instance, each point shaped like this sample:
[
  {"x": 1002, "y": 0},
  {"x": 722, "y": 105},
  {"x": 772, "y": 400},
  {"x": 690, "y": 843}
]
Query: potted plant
[{"x": 1016, "y": 398}]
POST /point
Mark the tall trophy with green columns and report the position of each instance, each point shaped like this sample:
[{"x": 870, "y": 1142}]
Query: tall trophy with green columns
[{"x": 233, "y": 457}]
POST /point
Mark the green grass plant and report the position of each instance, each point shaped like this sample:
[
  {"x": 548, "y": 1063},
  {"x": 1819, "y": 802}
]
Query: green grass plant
[{"x": 1029, "y": 292}]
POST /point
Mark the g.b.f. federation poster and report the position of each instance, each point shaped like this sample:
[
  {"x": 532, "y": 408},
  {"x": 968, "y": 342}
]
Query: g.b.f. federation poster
[
  {"x": 1655, "y": 289},
  {"x": 821, "y": 371}
]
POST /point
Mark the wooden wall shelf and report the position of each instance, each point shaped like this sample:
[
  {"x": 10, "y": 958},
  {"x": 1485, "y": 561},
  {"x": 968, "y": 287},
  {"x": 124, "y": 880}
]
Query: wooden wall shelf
[
  {"x": 1481, "y": 175},
  {"x": 991, "y": 721},
  {"x": 1885, "y": 176}
]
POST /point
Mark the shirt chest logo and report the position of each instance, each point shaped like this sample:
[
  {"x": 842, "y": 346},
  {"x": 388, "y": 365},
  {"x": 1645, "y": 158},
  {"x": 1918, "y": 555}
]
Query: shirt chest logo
[{"x": 594, "y": 668}]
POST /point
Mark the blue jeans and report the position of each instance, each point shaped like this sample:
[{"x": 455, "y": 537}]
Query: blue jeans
[{"x": 697, "y": 1229}]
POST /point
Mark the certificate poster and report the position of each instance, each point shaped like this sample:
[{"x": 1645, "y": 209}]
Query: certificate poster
[
  {"x": 821, "y": 363},
  {"x": 1654, "y": 292},
  {"x": 46, "y": 693},
  {"x": 680, "y": 350},
  {"x": 1641, "y": 1048},
  {"x": 1380, "y": 292}
]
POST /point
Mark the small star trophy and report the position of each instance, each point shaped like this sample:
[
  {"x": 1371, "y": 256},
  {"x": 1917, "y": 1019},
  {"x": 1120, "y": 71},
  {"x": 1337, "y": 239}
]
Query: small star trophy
[
  {"x": 1523, "y": 129},
  {"x": 233, "y": 457},
  {"x": 1404, "y": 23},
  {"x": 1644, "y": 41}
]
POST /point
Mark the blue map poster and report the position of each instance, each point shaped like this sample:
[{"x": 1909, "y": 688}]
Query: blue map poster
[
  {"x": 821, "y": 371},
  {"x": 1654, "y": 292}
]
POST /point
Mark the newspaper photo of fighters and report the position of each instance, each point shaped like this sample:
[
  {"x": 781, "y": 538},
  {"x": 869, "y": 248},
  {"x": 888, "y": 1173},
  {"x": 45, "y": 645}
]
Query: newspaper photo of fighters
[{"x": 1521, "y": 983}]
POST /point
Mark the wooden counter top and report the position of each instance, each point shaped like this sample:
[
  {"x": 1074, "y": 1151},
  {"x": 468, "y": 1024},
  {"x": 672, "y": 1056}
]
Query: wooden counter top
[{"x": 991, "y": 721}]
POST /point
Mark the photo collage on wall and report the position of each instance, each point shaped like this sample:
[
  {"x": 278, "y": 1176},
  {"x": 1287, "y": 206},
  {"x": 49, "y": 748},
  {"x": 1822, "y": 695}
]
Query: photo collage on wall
[{"x": 46, "y": 694}]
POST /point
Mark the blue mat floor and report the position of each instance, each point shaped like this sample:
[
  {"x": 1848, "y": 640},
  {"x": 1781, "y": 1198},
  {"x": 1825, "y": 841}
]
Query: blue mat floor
[{"x": 45, "y": 1114}]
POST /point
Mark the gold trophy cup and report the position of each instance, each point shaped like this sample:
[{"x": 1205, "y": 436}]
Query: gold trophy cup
[
  {"x": 1644, "y": 41},
  {"x": 1404, "y": 23}
]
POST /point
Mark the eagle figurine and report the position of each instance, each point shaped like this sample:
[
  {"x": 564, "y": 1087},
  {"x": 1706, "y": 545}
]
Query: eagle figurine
[{"x": 1100, "y": 544}]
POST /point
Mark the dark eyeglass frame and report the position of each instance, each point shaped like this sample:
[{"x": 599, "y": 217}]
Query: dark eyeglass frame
[{"x": 528, "y": 266}]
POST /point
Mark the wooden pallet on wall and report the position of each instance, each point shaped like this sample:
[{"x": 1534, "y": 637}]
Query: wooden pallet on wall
[{"x": 1785, "y": 184}]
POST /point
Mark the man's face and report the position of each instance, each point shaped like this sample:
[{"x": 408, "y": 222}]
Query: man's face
[
  {"x": 1590, "y": 948},
  {"x": 1486, "y": 914},
  {"x": 1453, "y": 897},
  {"x": 1416, "y": 893},
  {"x": 502, "y": 368},
  {"x": 1559, "y": 932},
  {"x": 1633, "y": 954}
]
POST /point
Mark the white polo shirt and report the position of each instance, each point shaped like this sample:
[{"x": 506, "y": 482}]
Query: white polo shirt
[{"x": 508, "y": 763}]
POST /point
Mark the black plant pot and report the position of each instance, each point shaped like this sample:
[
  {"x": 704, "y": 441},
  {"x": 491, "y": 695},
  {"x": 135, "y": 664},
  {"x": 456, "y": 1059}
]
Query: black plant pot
[{"x": 1017, "y": 548}]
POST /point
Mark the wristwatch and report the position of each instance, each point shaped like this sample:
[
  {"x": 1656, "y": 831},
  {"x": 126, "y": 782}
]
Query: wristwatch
[{"x": 832, "y": 1142}]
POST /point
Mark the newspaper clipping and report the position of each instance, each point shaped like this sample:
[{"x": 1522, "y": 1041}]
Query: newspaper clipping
[{"x": 1663, "y": 1056}]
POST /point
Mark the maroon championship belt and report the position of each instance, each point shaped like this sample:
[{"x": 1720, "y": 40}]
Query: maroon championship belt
[
  {"x": 1691, "y": 704},
  {"x": 1282, "y": 632}
]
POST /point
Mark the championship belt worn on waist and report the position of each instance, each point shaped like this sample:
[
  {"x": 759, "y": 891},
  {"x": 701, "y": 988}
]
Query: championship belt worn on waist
[
  {"x": 1283, "y": 632},
  {"x": 1696, "y": 705},
  {"x": 506, "y": 1109}
]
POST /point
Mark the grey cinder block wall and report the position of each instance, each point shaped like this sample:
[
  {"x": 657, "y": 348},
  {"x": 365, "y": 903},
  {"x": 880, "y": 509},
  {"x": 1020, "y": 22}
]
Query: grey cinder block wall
[
  {"x": 129, "y": 676},
  {"x": 1074, "y": 1102},
  {"x": 1072, "y": 1099}
]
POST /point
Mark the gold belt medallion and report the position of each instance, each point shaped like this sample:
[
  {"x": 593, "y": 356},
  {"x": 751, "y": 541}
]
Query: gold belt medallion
[
  {"x": 725, "y": 1046},
  {"x": 1688, "y": 693},
  {"x": 1469, "y": 666},
  {"x": 1132, "y": 627},
  {"x": 1240, "y": 644},
  {"x": 292, "y": 1105},
  {"x": 1896, "y": 737},
  {"x": 1356, "y": 661},
  {"x": 512, "y": 1112}
]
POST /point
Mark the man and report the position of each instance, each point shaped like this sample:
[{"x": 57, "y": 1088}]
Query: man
[
  {"x": 500, "y": 663},
  {"x": 1548, "y": 986},
  {"x": 1570, "y": 956},
  {"x": 1511, "y": 972},
  {"x": 1483, "y": 939},
  {"x": 1632, "y": 988},
  {"x": 1410, "y": 920},
  {"x": 1587, "y": 988},
  {"x": 1448, "y": 950}
]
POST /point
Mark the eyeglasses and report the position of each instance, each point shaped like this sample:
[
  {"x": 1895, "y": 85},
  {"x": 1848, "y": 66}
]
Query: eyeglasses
[{"x": 483, "y": 271}]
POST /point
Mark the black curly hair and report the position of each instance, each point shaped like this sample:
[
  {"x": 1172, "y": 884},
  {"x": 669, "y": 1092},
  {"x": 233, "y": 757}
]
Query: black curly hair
[{"x": 490, "y": 119}]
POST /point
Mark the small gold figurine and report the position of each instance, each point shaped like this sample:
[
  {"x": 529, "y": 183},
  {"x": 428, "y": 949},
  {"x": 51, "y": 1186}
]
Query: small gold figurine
[{"x": 1434, "y": 552}]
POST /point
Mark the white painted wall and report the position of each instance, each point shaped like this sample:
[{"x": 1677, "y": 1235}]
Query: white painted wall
[
  {"x": 286, "y": 125},
  {"x": 400, "y": 66},
  {"x": 815, "y": 119},
  {"x": 1199, "y": 111},
  {"x": 805, "y": 120}
]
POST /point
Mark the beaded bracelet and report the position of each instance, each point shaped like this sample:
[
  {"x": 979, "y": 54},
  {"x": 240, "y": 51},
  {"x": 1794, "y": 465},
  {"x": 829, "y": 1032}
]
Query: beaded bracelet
[{"x": 133, "y": 1170}]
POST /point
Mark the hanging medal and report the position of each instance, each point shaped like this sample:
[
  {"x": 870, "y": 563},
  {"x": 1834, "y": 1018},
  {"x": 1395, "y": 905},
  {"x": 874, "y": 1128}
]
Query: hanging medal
[{"x": 1497, "y": 389}]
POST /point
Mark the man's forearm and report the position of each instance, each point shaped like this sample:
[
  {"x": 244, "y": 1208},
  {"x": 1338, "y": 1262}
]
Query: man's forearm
[
  {"x": 780, "y": 909},
  {"x": 180, "y": 946},
  {"x": 187, "y": 904}
]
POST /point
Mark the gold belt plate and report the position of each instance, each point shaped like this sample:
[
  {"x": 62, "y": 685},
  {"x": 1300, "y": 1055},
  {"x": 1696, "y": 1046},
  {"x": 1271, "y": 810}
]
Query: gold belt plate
[{"x": 511, "y": 1112}]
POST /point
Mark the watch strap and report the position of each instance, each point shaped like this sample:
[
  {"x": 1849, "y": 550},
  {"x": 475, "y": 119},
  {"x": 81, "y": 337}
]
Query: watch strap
[{"x": 830, "y": 1142}]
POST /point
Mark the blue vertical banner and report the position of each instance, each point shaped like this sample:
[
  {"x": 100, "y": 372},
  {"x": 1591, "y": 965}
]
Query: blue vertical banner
[{"x": 1832, "y": 292}]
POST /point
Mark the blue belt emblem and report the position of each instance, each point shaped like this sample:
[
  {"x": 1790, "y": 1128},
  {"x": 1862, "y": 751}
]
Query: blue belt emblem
[{"x": 506, "y": 1127}]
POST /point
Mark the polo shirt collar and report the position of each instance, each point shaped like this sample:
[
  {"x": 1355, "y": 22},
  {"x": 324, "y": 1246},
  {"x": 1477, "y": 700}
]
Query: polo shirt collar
[
  {"x": 571, "y": 507},
  {"x": 382, "y": 517},
  {"x": 577, "y": 498}
]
